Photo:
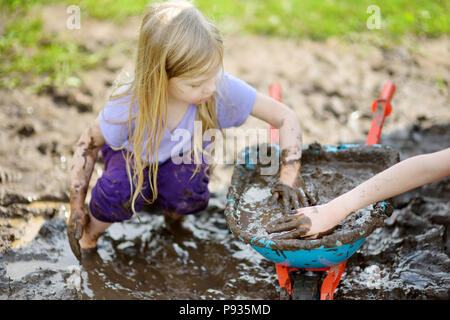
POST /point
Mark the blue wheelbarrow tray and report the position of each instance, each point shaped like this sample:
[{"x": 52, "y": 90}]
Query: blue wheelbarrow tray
[{"x": 328, "y": 171}]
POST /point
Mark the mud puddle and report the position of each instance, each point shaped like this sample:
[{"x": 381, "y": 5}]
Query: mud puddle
[{"x": 140, "y": 260}]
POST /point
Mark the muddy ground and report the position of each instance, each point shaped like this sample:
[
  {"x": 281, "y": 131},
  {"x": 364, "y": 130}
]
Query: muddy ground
[{"x": 329, "y": 84}]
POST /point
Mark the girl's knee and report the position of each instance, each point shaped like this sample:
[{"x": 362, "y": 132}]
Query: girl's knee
[
  {"x": 107, "y": 210},
  {"x": 190, "y": 203}
]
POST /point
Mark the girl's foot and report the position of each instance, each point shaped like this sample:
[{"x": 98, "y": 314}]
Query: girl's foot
[
  {"x": 88, "y": 242},
  {"x": 92, "y": 231},
  {"x": 173, "y": 221}
]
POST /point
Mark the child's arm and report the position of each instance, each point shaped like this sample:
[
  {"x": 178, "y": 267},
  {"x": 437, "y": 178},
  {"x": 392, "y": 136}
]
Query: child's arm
[
  {"x": 285, "y": 119},
  {"x": 402, "y": 177},
  {"x": 83, "y": 161}
]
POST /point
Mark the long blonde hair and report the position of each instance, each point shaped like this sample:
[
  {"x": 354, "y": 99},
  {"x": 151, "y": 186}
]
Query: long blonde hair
[{"x": 175, "y": 40}]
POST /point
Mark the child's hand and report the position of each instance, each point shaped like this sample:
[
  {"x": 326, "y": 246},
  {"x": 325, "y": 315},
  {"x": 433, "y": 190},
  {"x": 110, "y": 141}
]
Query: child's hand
[
  {"x": 77, "y": 221},
  {"x": 308, "y": 222},
  {"x": 292, "y": 196}
]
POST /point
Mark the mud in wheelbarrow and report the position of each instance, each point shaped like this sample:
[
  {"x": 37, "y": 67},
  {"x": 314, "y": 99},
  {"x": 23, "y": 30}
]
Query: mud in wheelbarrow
[{"x": 328, "y": 171}]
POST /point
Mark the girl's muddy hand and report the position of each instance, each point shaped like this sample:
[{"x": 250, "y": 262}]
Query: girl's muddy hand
[
  {"x": 305, "y": 198},
  {"x": 286, "y": 195},
  {"x": 291, "y": 197},
  {"x": 75, "y": 227}
]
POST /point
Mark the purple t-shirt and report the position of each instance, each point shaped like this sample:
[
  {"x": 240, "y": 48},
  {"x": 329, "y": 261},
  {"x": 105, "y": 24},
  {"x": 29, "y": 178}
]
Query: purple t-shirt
[{"x": 235, "y": 100}]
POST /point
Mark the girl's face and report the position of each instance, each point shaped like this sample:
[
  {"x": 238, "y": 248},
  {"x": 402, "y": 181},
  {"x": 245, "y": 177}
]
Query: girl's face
[{"x": 193, "y": 90}]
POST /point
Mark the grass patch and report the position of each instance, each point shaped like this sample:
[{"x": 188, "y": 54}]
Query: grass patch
[
  {"x": 319, "y": 20},
  {"x": 28, "y": 52}
]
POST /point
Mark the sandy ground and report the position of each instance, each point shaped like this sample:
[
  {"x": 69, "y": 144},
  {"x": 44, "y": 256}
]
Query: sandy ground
[{"x": 330, "y": 85}]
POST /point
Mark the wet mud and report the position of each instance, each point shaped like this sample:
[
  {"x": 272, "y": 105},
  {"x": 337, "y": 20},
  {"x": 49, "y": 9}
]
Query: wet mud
[{"x": 140, "y": 260}]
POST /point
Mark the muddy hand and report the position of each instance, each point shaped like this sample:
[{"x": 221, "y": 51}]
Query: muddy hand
[
  {"x": 77, "y": 221},
  {"x": 297, "y": 224},
  {"x": 291, "y": 198},
  {"x": 305, "y": 198},
  {"x": 288, "y": 196}
]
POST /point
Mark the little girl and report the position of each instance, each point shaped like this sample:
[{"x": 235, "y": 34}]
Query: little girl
[{"x": 178, "y": 79}]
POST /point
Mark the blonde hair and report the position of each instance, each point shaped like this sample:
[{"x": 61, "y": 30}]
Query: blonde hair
[{"x": 175, "y": 40}]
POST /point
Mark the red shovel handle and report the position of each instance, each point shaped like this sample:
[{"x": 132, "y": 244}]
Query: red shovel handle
[
  {"x": 385, "y": 98},
  {"x": 381, "y": 108},
  {"x": 275, "y": 93},
  {"x": 388, "y": 91}
]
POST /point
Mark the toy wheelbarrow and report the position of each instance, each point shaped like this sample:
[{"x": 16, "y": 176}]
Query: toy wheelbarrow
[{"x": 299, "y": 260}]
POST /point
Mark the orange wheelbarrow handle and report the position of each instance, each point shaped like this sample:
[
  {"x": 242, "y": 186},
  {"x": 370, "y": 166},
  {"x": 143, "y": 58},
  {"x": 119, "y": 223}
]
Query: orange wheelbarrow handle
[{"x": 381, "y": 108}]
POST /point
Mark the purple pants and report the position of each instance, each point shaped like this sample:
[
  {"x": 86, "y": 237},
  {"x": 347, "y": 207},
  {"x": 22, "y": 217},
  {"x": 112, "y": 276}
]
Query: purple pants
[{"x": 110, "y": 197}]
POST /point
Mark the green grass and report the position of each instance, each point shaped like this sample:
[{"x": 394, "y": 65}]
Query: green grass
[
  {"x": 302, "y": 18},
  {"x": 26, "y": 50}
]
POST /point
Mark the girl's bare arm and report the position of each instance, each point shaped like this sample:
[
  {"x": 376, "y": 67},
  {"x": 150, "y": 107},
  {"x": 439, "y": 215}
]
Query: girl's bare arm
[
  {"x": 402, "y": 177},
  {"x": 291, "y": 187},
  {"x": 83, "y": 161},
  {"x": 285, "y": 119}
]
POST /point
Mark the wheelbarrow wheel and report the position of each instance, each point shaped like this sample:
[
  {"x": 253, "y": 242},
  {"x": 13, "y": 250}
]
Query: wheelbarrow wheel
[{"x": 306, "y": 286}]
